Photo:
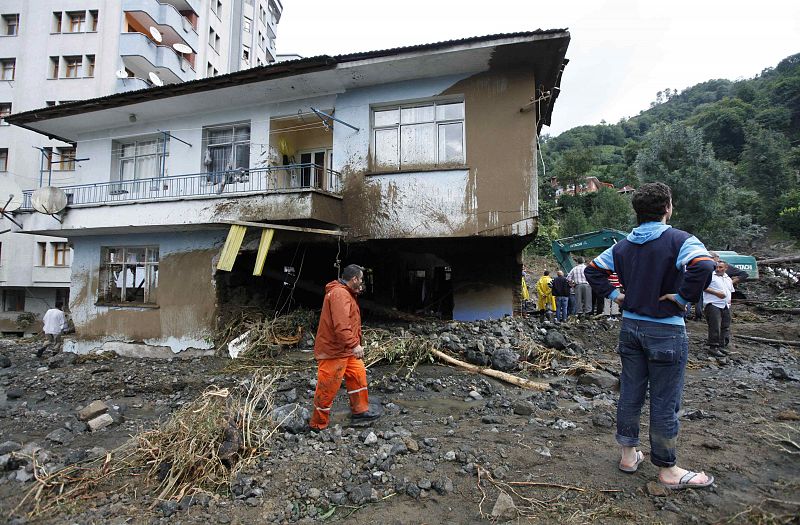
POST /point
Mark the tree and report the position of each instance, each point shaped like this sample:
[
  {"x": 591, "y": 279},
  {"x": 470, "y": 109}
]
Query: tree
[
  {"x": 574, "y": 222},
  {"x": 611, "y": 210},
  {"x": 764, "y": 167},
  {"x": 723, "y": 124},
  {"x": 704, "y": 197},
  {"x": 574, "y": 166}
]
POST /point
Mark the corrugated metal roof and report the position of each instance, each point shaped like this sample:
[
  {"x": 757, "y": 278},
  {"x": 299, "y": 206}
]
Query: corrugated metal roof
[{"x": 256, "y": 74}]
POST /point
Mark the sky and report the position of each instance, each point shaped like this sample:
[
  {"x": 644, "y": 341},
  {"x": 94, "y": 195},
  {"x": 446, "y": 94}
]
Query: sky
[{"x": 621, "y": 52}]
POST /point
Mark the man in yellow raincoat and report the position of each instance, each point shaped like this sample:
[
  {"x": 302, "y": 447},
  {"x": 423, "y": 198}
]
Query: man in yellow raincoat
[{"x": 545, "y": 291}]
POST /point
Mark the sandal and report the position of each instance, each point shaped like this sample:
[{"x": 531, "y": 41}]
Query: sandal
[
  {"x": 633, "y": 468},
  {"x": 685, "y": 482}
]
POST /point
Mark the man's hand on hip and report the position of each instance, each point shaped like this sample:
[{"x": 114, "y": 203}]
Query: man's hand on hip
[{"x": 358, "y": 352}]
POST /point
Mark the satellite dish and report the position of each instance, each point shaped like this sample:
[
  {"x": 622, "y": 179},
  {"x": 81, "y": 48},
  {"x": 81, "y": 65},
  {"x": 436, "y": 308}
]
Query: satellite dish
[
  {"x": 121, "y": 73},
  {"x": 49, "y": 200},
  {"x": 182, "y": 48},
  {"x": 10, "y": 195},
  {"x": 156, "y": 34},
  {"x": 155, "y": 79}
]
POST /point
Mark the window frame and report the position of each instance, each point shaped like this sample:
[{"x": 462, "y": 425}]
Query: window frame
[
  {"x": 234, "y": 144},
  {"x": 61, "y": 254},
  {"x": 161, "y": 154},
  {"x": 90, "y": 64},
  {"x": 58, "y": 22},
  {"x": 42, "y": 247},
  {"x": 5, "y": 110},
  {"x": 398, "y": 126},
  {"x": 80, "y": 17},
  {"x": 150, "y": 269},
  {"x": 19, "y": 306},
  {"x": 4, "y": 68},
  {"x": 7, "y": 25},
  {"x": 72, "y": 66},
  {"x": 94, "y": 20},
  {"x": 3, "y": 160},
  {"x": 66, "y": 158}
]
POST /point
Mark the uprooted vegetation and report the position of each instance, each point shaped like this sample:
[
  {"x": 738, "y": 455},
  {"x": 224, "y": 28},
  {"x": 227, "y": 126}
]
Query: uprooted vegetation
[{"x": 197, "y": 450}]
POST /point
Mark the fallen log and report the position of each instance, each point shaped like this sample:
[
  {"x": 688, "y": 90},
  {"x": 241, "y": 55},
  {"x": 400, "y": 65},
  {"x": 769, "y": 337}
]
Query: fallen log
[
  {"x": 503, "y": 376},
  {"x": 769, "y": 341},
  {"x": 779, "y": 260}
]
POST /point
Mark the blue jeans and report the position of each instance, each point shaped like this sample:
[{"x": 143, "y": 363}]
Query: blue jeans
[
  {"x": 561, "y": 308},
  {"x": 653, "y": 353}
]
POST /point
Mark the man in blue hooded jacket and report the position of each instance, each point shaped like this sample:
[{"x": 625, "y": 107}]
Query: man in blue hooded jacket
[{"x": 661, "y": 269}]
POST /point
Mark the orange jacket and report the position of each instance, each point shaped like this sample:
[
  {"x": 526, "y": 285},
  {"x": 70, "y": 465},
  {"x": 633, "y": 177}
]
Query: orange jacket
[{"x": 339, "y": 323}]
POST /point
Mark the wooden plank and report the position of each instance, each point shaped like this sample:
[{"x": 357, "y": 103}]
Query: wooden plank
[
  {"x": 263, "y": 248},
  {"x": 283, "y": 227},
  {"x": 231, "y": 249}
]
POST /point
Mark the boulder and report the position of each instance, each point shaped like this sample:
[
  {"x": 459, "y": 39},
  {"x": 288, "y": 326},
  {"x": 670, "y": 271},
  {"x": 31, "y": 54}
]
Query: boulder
[
  {"x": 100, "y": 422},
  {"x": 92, "y": 410},
  {"x": 505, "y": 359},
  {"x": 61, "y": 436},
  {"x": 555, "y": 339},
  {"x": 61, "y": 359},
  {"x": 291, "y": 417},
  {"x": 599, "y": 378},
  {"x": 504, "y": 508}
]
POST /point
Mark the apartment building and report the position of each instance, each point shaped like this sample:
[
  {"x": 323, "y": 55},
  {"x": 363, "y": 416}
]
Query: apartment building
[
  {"x": 417, "y": 162},
  {"x": 54, "y": 52}
]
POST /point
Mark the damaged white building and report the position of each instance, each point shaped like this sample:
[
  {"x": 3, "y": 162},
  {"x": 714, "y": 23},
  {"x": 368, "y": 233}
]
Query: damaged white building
[{"x": 419, "y": 163}]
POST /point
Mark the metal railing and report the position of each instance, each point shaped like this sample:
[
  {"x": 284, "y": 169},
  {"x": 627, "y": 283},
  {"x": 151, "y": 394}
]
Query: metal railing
[{"x": 273, "y": 179}]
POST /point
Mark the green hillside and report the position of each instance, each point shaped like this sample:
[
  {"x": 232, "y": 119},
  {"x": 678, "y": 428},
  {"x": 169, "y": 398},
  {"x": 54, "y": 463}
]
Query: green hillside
[{"x": 729, "y": 149}]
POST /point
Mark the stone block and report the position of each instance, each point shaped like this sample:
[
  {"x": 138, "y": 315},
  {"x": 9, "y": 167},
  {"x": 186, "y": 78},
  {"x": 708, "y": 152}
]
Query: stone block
[
  {"x": 100, "y": 422},
  {"x": 92, "y": 410}
]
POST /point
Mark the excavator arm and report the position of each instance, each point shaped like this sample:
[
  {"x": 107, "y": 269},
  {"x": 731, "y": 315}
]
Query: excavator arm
[{"x": 562, "y": 248}]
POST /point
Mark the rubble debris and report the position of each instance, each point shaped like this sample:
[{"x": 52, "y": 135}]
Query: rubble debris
[
  {"x": 92, "y": 410},
  {"x": 100, "y": 422}
]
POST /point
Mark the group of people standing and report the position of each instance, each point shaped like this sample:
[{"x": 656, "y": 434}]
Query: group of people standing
[{"x": 570, "y": 295}]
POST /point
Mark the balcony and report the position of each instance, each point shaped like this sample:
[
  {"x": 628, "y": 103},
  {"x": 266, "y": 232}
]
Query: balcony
[
  {"x": 131, "y": 84},
  {"x": 173, "y": 26},
  {"x": 277, "y": 193},
  {"x": 51, "y": 275},
  {"x": 141, "y": 55}
]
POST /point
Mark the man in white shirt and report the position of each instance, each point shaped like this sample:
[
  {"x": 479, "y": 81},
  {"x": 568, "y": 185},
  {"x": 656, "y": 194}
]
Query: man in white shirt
[
  {"x": 54, "y": 323},
  {"x": 717, "y": 309},
  {"x": 583, "y": 292}
]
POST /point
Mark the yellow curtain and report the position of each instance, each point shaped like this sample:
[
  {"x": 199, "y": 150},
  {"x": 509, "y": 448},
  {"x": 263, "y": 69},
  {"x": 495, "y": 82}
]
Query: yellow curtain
[
  {"x": 231, "y": 249},
  {"x": 263, "y": 248}
]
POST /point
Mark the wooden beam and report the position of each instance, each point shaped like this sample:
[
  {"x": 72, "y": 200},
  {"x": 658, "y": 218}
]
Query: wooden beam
[{"x": 283, "y": 227}]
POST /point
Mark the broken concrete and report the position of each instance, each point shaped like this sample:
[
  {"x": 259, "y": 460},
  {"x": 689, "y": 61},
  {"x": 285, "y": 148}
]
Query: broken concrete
[
  {"x": 100, "y": 422},
  {"x": 93, "y": 409}
]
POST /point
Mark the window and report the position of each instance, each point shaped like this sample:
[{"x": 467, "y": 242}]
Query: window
[
  {"x": 89, "y": 65},
  {"x": 418, "y": 135},
  {"x": 62, "y": 296},
  {"x": 13, "y": 300},
  {"x": 5, "y": 110},
  {"x": 51, "y": 103},
  {"x": 262, "y": 42},
  {"x": 8, "y": 68},
  {"x": 211, "y": 71},
  {"x": 141, "y": 159},
  {"x": 41, "y": 247},
  {"x": 216, "y": 7},
  {"x": 10, "y": 25},
  {"x": 53, "y": 67},
  {"x": 128, "y": 275},
  {"x": 3, "y": 159},
  {"x": 66, "y": 159},
  {"x": 56, "y": 22},
  {"x": 72, "y": 66},
  {"x": 247, "y": 25},
  {"x": 213, "y": 40},
  {"x": 227, "y": 148},
  {"x": 60, "y": 254},
  {"x": 93, "y": 20},
  {"x": 77, "y": 21},
  {"x": 262, "y": 15},
  {"x": 246, "y": 54}
]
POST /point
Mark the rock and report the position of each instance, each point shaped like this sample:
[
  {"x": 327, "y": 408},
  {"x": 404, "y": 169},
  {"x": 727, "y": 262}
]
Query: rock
[
  {"x": 291, "y": 417},
  {"x": 523, "y": 408},
  {"x": 411, "y": 444},
  {"x": 563, "y": 424},
  {"x": 475, "y": 395},
  {"x": 476, "y": 357},
  {"x": 603, "y": 420},
  {"x": 9, "y": 446},
  {"x": 92, "y": 410},
  {"x": 504, "y": 508},
  {"x": 599, "y": 378},
  {"x": 543, "y": 451},
  {"x": 14, "y": 393},
  {"x": 712, "y": 444},
  {"x": 361, "y": 493},
  {"x": 100, "y": 422},
  {"x": 505, "y": 359},
  {"x": 168, "y": 507},
  {"x": 490, "y": 420},
  {"x": 76, "y": 426},
  {"x": 61, "y": 359},
  {"x": 314, "y": 493},
  {"x": 555, "y": 339},
  {"x": 5, "y": 362},
  {"x": 780, "y": 373},
  {"x": 443, "y": 485},
  {"x": 671, "y": 507},
  {"x": 657, "y": 489},
  {"x": 61, "y": 436},
  {"x": 371, "y": 439},
  {"x": 788, "y": 415},
  {"x": 413, "y": 490},
  {"x": 450, "y": 455}
]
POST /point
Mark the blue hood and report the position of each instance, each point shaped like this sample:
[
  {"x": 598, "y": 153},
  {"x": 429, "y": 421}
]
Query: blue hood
[{"x": 647, "y": 232}]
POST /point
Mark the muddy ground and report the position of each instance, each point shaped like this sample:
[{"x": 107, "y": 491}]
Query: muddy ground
[{"x": 450, "y": 444}]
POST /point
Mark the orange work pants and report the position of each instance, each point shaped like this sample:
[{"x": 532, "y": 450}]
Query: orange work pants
[{"x": 329, "y": 379}]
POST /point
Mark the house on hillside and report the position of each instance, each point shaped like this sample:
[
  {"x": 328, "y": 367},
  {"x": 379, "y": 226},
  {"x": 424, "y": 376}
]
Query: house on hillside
[
  {"x": 417, "y": 162},
  {"x": 591, "y": 185}
]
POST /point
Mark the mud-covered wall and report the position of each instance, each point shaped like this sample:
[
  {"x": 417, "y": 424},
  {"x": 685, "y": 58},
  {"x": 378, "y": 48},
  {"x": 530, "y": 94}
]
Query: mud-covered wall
[
  {"x": 185, "y": 314},
  {"x": 494, "y": 193}
]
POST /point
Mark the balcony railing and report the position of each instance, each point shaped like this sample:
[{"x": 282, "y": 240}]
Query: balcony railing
[{"x": 274, "y": 179}]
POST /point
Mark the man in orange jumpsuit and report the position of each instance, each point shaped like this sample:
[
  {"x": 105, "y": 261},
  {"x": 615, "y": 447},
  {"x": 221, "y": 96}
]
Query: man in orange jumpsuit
[{"x": 339, "y": 353}]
